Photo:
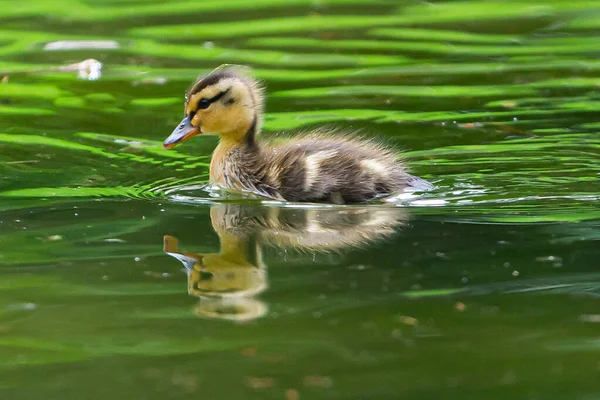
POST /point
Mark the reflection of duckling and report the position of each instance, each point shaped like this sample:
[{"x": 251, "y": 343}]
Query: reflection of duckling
[
  {"x": 227, "y": 281},
  {"x": 314, "y": 167},
  {"x": 329, "y": 230}
]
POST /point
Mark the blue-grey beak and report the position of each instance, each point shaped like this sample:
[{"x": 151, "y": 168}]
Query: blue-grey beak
[{"x": 184, "y": 131}]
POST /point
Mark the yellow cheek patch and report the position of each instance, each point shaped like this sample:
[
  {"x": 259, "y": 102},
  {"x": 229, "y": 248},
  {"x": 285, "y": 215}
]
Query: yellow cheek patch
[{"x": 195, "y": 121}]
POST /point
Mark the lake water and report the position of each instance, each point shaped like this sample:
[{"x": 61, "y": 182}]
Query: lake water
[{"x": 123, "y": 276}]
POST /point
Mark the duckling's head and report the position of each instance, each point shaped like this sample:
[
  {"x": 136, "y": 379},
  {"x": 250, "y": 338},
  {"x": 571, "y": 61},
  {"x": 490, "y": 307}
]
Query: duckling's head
[{"x": 227, "y": 102}]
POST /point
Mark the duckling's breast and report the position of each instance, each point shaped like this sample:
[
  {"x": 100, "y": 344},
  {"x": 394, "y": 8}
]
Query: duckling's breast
[{"x": 245, "y": 169}]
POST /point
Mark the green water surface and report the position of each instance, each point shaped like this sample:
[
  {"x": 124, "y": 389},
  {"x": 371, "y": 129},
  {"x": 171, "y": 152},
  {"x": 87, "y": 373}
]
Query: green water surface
[{"x": 486, "y": 287}]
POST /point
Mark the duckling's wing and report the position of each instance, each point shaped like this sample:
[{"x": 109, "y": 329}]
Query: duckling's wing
[{"x": 346, "y": 171}]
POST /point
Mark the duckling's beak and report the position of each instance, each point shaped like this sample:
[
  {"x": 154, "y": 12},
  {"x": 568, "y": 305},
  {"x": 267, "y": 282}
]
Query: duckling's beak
[{"x": 184, "y": 131}]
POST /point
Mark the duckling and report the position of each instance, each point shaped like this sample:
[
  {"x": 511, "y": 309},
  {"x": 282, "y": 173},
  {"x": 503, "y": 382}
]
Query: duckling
[{"x": 317, "y": 166}]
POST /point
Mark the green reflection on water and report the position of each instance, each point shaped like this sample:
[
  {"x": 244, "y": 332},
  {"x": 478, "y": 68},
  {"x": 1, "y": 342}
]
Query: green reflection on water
[{"x": 486, "y": 287}]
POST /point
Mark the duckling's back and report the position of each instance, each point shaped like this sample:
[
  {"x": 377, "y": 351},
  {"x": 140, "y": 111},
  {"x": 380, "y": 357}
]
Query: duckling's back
[{"x": 334, "y": 169}]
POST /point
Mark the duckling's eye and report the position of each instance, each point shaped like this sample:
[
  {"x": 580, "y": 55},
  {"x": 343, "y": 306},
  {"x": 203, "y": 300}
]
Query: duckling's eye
[{"x": 203, "y": 104}]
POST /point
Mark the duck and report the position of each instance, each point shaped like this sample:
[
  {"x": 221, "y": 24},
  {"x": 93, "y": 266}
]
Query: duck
[{"x": 317, "y": 166}]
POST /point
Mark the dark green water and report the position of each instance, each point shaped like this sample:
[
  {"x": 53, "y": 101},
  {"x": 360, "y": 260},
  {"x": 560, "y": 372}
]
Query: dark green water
[{"x": 486, "y": 287}]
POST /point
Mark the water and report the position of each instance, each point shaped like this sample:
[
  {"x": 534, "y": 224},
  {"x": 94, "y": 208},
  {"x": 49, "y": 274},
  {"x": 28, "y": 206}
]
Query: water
[{"x": 113, "y": 250}]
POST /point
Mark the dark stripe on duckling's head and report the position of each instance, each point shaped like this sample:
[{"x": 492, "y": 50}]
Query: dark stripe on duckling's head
[
  {"x": 226, "y": 71},
  {"x": 205, "y": 103},
  {"x": 207, "y": 81}
]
